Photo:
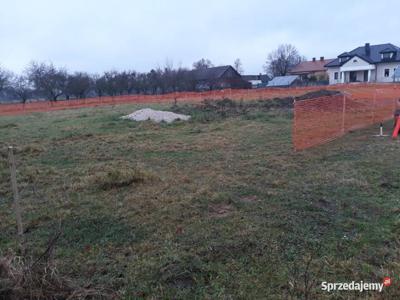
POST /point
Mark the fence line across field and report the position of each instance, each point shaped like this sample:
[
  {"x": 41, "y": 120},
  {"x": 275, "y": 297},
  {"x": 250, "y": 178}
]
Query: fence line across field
[{"x": 234, "y": 94}]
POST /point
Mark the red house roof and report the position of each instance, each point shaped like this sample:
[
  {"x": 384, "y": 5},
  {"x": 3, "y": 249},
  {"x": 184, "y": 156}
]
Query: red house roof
[{"x": 315, "y": 65}]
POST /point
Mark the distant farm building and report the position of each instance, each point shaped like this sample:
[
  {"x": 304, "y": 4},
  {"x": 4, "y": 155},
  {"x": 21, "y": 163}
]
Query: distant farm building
[
  {"x": 285, "y": 81},
  {"x": 313, "y": 70},
  {"x": 218, "y": 78},
  {"x": 257, "y": 81}
]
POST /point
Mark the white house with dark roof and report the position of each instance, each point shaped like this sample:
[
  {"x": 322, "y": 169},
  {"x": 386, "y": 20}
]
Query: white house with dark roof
[{"x": 368, "y": 63}]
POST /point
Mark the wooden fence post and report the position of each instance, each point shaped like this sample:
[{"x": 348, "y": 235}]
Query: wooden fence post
[
  {"x": 344, "y": 113},
  {"x": 374, "y": 106},
  {"x": 17, "y": 207},
  {"x": 294, "y": 129}
]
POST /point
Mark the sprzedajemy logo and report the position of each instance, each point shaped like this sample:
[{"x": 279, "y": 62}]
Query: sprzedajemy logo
[{"x": 360, "y": 286}]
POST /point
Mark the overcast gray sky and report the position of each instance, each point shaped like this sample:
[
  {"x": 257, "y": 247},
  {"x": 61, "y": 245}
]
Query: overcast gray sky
[{"x": 97, "y": 35}]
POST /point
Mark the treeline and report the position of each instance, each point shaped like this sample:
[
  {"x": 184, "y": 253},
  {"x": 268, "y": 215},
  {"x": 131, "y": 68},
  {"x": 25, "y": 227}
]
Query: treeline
[{"x": 46, "y": 81}]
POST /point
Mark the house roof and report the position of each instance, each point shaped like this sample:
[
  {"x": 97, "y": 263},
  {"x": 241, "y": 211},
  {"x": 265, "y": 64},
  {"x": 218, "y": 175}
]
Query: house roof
[
  {"x": 282, "y": 80},
  {"x": 373, "y": 57},
  {"x": 210, "y": 73},
  {"x": 251, "y": 77},
  {"x": 344, "y": 54},
  {"x": 389, "y": 48},
  {"x": 310, "y": 66}
]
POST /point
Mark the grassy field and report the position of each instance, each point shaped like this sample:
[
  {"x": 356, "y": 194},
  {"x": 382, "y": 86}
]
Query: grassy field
[{"x": 220, "y": 207}]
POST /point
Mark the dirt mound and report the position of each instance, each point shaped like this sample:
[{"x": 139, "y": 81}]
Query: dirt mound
[{"x": 316, "y": 94}]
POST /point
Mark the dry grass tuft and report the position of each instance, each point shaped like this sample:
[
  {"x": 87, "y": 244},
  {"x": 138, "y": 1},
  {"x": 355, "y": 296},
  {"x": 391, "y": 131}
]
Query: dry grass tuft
[
  {"x": 220, "y": 210},
  {"x": 116, "y": 177},
  {"x": 250, "y": 199},
  {"x": 22, "y": 278},
  {"x": 32, "y": 149},
  {"x": 28, "y": 277}
]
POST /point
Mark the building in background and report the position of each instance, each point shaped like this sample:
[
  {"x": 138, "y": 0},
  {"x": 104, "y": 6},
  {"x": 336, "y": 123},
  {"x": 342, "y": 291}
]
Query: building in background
[
  {"x": 313, "y": 71},
  {"x": 257, "y": 81},
  {"x": 285, "y": 81},
  {"x": 214, "y": 78},
  {"x": 368, "y": 63}
]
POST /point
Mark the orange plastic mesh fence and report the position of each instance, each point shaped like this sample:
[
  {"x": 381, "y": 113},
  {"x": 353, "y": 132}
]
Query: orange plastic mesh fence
[
  {"x": 234, "y": 94},
  {"x": 319, "y": 120}
]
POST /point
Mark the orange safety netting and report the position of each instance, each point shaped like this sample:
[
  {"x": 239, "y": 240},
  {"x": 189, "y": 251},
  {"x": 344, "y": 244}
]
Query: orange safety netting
[
  {"x": 234, "y": 94},
  {"x": 319, "y": 120}
]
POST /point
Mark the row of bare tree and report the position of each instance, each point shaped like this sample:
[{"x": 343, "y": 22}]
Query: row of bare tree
[{"x": 46, "y": 81}]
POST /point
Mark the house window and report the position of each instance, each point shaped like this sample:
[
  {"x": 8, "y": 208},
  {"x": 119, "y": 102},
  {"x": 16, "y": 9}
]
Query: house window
[
  {"x": 387, "y": 55},
  {"x": 336, "y": 75},
  {"x": 387, "y": 71},
  {"x": 355, "y": 60}
]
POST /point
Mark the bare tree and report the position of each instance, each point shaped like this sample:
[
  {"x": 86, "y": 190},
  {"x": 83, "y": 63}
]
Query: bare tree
[
  {"x": 153, "y": 81},
  {"x": 125, "y": 82},
  {"x": 5, "y": 77},
  {"x": 78, "y": 85},
  {"x": 22, "y": 87},
  {"x": 111, "y": 87},
  {"x": 99, "y": 84},
  {"x": 185, "y": 80},
  {"x": 237, "y": 64},
  {"x": 131, "y": 81},
  {"x": 202, "y": 64},
  {"x": 47, "y": 79},
  {"x": 282, "y": 59},
  {"x": 169, "y": 78}
]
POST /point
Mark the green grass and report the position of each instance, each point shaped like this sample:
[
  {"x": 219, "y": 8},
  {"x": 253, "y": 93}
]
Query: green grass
[{"x": 218, "y": 207}]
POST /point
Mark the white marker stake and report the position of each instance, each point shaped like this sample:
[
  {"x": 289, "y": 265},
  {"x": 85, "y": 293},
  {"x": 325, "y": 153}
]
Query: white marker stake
[{"x": 381, "y": 132}]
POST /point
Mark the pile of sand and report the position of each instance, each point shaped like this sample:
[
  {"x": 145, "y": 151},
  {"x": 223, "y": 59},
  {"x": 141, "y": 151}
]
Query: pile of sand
[{"x": 155, "y": 115}]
